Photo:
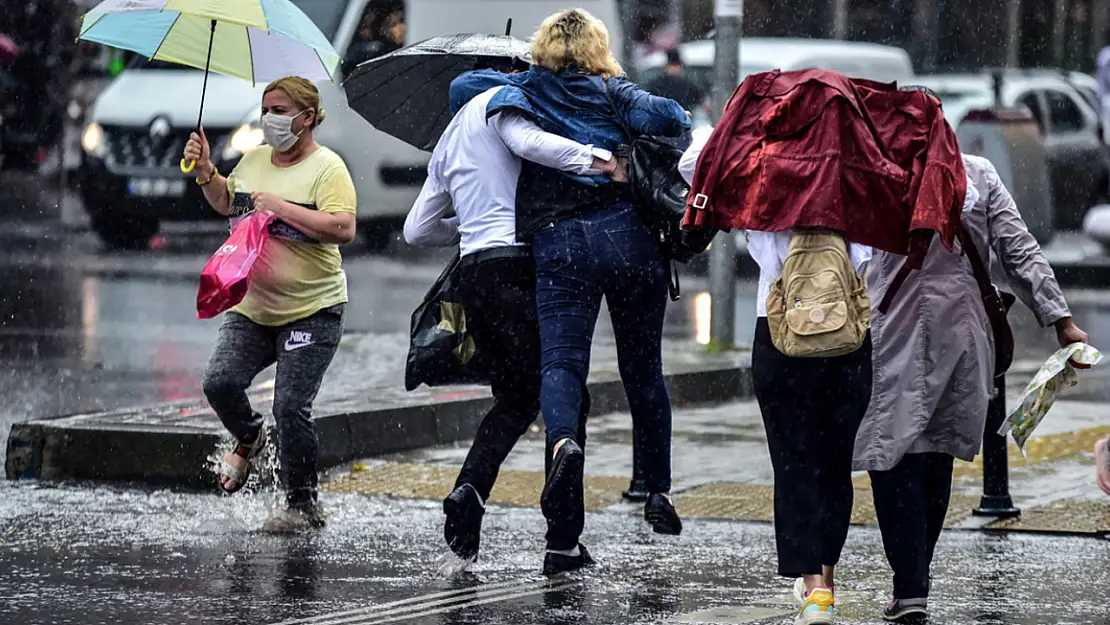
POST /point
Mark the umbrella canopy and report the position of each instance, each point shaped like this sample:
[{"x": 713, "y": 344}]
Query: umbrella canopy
[
  {"x": 406, "y": 93},
  {"x": 256, "y": 40}
]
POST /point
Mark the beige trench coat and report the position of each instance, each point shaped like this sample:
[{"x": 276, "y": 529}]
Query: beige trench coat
[{"x": 933, "y": 350}]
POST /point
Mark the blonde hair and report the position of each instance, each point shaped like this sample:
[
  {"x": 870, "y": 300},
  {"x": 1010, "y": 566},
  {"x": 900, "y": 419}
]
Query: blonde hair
[
  {"x": 303, "y": 93},
  {"x": 574, "y": 38}
]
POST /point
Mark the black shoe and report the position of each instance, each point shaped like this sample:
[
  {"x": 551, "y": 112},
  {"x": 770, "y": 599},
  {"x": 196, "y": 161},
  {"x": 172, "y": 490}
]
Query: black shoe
[
  {"x": 463, "y": 528},
  {"x": 637, "y": 491},
  {"x": 660, "y": 512},
  {"x": 564, "y": 484},
  {"x": 907, "y": 611},
  {"x": 556, "y": 563}
]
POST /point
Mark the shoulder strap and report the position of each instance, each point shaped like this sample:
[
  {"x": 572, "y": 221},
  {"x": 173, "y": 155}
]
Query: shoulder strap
[
  {"x": 616, "y": 111},
  {"x": 982, "y": 276}
]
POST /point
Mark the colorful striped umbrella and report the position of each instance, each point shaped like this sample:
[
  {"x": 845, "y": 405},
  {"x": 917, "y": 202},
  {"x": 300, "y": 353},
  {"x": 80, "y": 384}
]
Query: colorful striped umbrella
[{"x": 256, "y": 40}]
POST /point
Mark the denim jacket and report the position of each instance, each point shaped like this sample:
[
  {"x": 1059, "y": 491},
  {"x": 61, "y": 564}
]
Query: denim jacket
[{"x": 573, "y": 105}]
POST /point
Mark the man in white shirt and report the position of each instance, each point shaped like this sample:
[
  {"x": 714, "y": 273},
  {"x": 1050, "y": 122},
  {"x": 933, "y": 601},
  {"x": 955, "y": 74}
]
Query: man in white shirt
[{"x": 474, "y": 170}]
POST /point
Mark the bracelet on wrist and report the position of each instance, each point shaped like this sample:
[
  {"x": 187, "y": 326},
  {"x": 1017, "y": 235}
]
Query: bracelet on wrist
[{"x": 209, "y": 179}]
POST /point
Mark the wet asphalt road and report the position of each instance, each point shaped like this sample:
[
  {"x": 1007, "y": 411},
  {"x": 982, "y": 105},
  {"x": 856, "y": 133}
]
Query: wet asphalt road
[{"x": 107, "y": 556}]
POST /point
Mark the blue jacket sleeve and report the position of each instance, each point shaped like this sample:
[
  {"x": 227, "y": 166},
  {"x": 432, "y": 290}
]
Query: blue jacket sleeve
[
  {"x": 649, "y": 114},
  {"x": 470, "y": 84}
]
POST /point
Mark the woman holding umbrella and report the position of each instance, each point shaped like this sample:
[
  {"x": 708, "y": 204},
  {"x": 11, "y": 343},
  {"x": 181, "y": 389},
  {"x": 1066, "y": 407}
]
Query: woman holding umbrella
[
  {"x": 589, "y": 241},
  {"x": 292, "y": 314}
]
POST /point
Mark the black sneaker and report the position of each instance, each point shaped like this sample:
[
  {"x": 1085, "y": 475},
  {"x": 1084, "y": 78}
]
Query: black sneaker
[
  {"x": 637, "y": 491},
  {"x": 463, "y": 528},
  {"x": 907, "y": 610},
  {"x": 556, "y": 563},
  {"x": 660, "y": 512},
  {"x": 564, "y": 484}
]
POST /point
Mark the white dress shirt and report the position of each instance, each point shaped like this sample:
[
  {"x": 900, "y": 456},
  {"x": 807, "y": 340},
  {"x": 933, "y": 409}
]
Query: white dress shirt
[
  {"x": 475, "y": 168},
  {"x": 768, "y": 249}
]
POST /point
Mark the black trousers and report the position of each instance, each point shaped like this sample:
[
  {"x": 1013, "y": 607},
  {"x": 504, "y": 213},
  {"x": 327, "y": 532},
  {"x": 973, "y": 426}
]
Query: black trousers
[
  {"x": 911, "y": 502},
  {"x": 499, "y": 296},
  {"x": 812, "y": 409}
]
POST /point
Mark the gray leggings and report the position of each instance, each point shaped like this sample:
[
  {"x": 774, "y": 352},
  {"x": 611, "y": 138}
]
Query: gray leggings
[{"x": 302, "y": 350}]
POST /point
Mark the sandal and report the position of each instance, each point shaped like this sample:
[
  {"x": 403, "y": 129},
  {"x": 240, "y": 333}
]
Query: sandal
[{"x": 248, "y": 453}]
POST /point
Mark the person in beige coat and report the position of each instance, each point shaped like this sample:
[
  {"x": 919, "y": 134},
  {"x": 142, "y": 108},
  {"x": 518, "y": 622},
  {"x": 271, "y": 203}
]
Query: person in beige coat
[{"x": 933, "y": 375}]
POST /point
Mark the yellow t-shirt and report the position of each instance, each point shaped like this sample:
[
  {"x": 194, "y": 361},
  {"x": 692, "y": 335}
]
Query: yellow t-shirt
[{"x": 294, "y": 277}]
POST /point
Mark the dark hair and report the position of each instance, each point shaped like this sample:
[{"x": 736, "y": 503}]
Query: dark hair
[
  {"x": 673, "y": 57},
  {"x": 925, "y": 90}
]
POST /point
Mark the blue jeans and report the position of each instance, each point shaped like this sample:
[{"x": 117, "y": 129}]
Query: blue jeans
[{"x": 609, "y": 253}]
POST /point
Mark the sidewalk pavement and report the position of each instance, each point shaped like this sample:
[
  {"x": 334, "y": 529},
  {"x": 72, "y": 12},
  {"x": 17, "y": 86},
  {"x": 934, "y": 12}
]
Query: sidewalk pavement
[
  {"x": 722, "y": 470},
  {"x": 363, "y": 410}
]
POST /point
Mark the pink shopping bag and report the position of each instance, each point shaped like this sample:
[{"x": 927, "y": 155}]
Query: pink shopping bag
[{"x": 225, "y": 278}]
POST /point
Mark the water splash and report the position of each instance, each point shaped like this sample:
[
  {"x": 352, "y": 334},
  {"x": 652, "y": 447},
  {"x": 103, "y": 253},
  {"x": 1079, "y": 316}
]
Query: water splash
[{"x": 452, "y": 566}]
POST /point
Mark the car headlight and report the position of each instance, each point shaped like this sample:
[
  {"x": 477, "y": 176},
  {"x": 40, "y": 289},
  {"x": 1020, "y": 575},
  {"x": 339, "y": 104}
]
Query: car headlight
[
  {"x": 92, "y": 139},
  {"x": 245, "y": 138}
]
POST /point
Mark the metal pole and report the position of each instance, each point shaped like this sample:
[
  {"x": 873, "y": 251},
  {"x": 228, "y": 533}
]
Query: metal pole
[
  {"x": 729, "y": 16},
  {"x": 1059, "y": 31},
  {"x": 1013, "y": 33},
  {"x": 996, "y": 501},
  {"x": 925, "y": 45},
  {"x": 841, "y": 10}
]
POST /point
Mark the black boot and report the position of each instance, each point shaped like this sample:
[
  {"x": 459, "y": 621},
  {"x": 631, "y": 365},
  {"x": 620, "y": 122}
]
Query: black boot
[
  {"x": 660, "y": 512},
  {"x": 463, "y": 527},
  {"x": 556, "y": 563}
]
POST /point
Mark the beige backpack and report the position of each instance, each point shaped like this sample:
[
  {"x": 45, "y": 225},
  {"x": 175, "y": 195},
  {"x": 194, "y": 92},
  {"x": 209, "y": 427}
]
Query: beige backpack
[{"x": 819, "y": 308}]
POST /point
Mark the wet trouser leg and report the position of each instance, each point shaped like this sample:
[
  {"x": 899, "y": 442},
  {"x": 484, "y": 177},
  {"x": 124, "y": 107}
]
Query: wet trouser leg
[
  {"x": 812, "y": 409},
  {"x": 499, "y": 296},
  {"x": 243, "y": 349},
  {"x": 305, "y": 349},
  {"x": 635, "y": 283},
  {"x": 568, "y": 300},
  {"x": 911, "y": 502}
]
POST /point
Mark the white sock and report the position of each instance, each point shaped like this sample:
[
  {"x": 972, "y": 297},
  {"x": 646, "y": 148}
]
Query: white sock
[{"x": 573, "y": 553}]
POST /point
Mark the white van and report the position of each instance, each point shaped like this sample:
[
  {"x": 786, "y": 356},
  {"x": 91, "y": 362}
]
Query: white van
[
  {"x": 129, "y": 177},
  {"x": 855, "y": 59}
]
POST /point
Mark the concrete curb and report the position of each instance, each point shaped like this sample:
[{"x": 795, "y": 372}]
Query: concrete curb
[{"x": 176, "y": 456}]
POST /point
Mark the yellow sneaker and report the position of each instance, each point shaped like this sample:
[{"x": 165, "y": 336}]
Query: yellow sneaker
[{"x": 819, "y": 608}]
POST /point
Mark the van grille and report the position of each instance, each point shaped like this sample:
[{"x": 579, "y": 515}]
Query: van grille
[{"x": 137, "y": 148}]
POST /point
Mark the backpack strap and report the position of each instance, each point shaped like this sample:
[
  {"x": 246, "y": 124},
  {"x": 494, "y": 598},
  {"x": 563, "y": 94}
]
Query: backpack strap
[
  {"x": 978, "y": 269},
  {"x": 903, "y": 273}
]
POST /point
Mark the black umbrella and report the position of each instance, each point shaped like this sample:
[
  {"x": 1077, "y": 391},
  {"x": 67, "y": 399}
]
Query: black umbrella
[{"x": 406, "y": 93}]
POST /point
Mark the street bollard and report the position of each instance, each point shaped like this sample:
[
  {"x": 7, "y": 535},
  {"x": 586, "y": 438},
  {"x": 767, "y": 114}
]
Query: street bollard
[{"x": 996, "y": 500}]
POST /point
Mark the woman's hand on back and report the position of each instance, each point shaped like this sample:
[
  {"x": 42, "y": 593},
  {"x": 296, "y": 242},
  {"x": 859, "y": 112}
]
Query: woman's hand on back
[{"x": 197, "y": 149}]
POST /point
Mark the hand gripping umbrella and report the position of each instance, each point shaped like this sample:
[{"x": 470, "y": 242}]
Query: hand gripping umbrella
[{"x": 256, "y": 40}]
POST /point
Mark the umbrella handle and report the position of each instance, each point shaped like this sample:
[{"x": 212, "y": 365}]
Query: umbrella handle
[{"x": 187, "y": 167}]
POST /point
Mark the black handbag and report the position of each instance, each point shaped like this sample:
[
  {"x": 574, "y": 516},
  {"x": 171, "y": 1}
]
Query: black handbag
[
  {"x": 441, "y": 349},
  {"x": 661, "y": 193}
]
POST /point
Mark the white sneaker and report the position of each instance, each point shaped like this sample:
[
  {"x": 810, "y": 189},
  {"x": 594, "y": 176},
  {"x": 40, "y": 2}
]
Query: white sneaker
[
  {"x": 819, "y": 608},
  {"x": 799, "y": 591}
]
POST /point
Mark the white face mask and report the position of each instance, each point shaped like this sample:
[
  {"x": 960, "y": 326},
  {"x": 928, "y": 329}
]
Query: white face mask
[{"x": 277, "y": 130}]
